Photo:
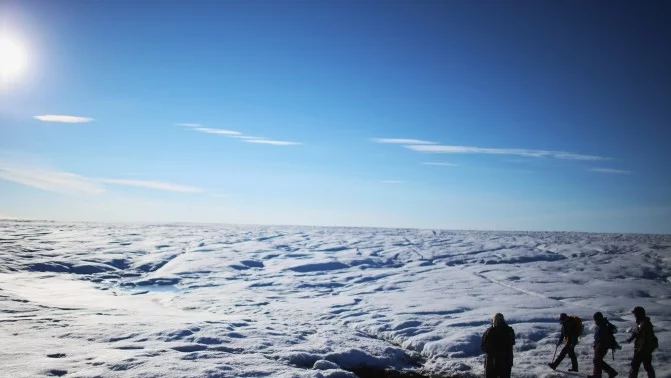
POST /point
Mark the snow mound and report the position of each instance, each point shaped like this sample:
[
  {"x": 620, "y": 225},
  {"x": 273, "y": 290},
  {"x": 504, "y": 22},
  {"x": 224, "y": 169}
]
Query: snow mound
[{"x": 325, "y": 365}]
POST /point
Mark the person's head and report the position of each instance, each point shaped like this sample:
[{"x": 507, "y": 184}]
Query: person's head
[
  {"x": 563, "y": 317},
  {"x": 639, "y": 312},
  {"x": 598, "y": 317},
  {"x": 498, "y": 319}
]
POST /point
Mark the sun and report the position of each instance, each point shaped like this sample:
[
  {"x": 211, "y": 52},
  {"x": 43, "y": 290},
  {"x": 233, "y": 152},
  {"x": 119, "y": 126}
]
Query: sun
[{"x": 12, "y": 58}]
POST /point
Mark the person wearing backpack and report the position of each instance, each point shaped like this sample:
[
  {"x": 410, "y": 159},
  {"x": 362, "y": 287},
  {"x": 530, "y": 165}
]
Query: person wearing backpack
[
  {"x": 604, "y": 339},
  {"x": 645, "y": 343},
  {"x": 497, "y": 342},
  {"x": 571, "y": 329}
]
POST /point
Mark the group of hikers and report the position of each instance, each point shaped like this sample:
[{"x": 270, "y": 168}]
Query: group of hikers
[{"x": 498, "y": 340}]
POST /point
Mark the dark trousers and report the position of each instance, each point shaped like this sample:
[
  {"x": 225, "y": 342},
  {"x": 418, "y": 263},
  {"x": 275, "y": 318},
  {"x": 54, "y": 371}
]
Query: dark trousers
[
  {"x": 599, "y": 364},
  {"x": 497, "y": 367},
  {"x": 567, "y": 349},
  {"x": 646, "y": 359}
]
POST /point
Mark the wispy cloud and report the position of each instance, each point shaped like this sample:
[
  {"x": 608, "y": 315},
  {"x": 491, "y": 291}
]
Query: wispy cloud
[
  {"x": 443, "y": 149},
  {"x": 441, "y": 164},
  {"x": 392, "y": 182},
  {"x": 71, "y": 183},
  {"x": 611, "y": 171},
  {"x": 62, "y": 118},
  {"x": 272, "y": 142},
  {"x": 402, "y": 141},
  {"x": 158, "y": 185},
  {"x": 209, "y": 130},
  {"x": 49, "y": 180},
  {"x": 572, "y": 156},
  {"x": 245, "y": 137},
  {"x": 237, "y": 135}
]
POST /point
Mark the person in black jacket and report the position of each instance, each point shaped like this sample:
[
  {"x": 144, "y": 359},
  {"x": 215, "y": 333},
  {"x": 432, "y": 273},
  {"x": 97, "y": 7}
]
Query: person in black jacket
[
  {"x": 569, "y": 335},
  {"x": 646, "y": 342},
  {"x": 497, "y": 342},
  {"x": 603, "y": 340}
]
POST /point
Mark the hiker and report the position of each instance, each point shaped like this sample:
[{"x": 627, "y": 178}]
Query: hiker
[
  {"x": 603, "y": 340},
  {"x": 646, "y": 342},
  {"x": 570, "y": 331},
  {"x": 497, "y": 342}
]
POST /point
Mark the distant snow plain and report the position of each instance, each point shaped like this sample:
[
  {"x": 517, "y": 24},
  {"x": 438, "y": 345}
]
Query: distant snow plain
[{"x": 101, "y": 300}]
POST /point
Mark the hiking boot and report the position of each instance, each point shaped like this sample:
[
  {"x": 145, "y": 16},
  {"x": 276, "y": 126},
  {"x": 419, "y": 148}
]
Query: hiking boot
[
  {"x": 573, "y": 369},
  {"x": 552, "y": 366}
]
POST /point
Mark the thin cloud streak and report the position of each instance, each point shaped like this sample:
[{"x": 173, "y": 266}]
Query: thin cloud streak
[
  {"x": 441, "y": 164},
  {"x": 158, "y": 185},
  {"x": 62, "y": 118},
  {"x": 443, "y": 149},
  {"x": 611, "y": 171},
  {"x": 272, "y": 142},
  {"x": 49, "y": 180},
  {"x": 402, "y": 141},
  {"x": 572, "y": 156},
  {"x": 245, "y": 137},
  {"x": 208, "y": 130},
  {"x": 237, "y": 135},
  {"x": 56, "y": 181}
]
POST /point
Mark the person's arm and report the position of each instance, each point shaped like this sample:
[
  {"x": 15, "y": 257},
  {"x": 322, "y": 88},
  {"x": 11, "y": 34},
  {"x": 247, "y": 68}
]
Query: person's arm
[
  {"x": 634, "y": 332},
  {"x": 483, "y": 341},
  {"x": 561, "y": 335}
]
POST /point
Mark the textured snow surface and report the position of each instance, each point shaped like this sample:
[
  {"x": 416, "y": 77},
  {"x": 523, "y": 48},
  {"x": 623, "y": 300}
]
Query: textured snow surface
[{"x": 100, "y": 300}]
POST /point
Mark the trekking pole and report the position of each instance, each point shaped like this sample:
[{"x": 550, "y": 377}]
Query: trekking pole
[{"x": 555, "y": 355}]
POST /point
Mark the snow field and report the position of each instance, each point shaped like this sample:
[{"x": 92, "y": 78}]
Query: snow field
[{"x": 100, "y": 300}]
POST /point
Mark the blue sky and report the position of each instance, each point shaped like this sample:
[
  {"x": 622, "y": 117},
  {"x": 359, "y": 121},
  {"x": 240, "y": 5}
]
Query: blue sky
[{"x": 489, "y": 115}]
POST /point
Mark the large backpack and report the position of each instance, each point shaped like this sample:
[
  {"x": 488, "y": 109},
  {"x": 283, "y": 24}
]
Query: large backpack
[
  {"x": 611, "y": 331},
  {"x": 579, "y": 327},
  {"x": 654, "y": 341},
  {"x": 499, "y": 340}
]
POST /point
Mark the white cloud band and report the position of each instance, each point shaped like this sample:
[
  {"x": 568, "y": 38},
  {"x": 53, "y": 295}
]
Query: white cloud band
[
  {"x": 62, "y": 118},
  {"x": 49, "y": 180},
  {"x": 237, "y": 134},
  {"x": 70, "y": 183},
  {"x": 611, "y": 171},
  {"x": 443, "y": 149},
  {"x": 402, "y": 141},
  {"x": 271, "y": 142},
  {"x": 209, "y": 130},
  {"x": 158, "y": 185},
  {"x": 441, "y": 164}
]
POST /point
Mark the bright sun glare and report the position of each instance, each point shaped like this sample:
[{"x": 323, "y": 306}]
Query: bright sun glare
[{"x": 12, "y": 58}]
